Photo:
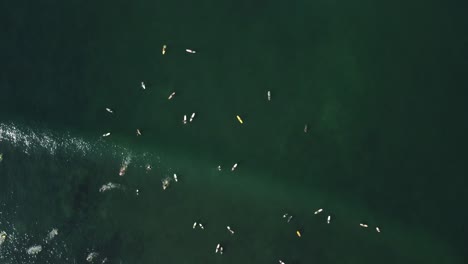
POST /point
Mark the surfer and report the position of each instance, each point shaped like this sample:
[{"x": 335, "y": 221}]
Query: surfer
[
  {"x": 175, "y": 177},
  {"x": 122, "y": 170},
  {"x": 217, "y": 248},
  {"x": 240, "y": 119},
  {"x": 201, "y": 226},
  {"x": 192, "y": 117},
  {"x": 185, "y": 119},
  {"x": 328, "y": 219},
  {"x": 269, "y": 96},
  {"x": 138, "y": 132},
  {"x": 164, "y": 49},
  {"x": 194, "y": 225},
  {"x": 305, "y": 128},
  {"x": 234, "y": 167},
  {"x": 230, "y": 230},
  {"x": 219, "y": 167},
  {"x": 190, "y": 51},
  {"x": 170, "y": 96},
  {"x": 143, "y": 85},
  {"x": 106, "y": 135},
  {"x": 318, "y": 211},
  {"x": 377, "y": 229},
  {"x": 281, "y": 262},
  {"x": 109, "y": 110},
  {"x": 363, "y": 225},
  {"x": 289, "y": 218}
]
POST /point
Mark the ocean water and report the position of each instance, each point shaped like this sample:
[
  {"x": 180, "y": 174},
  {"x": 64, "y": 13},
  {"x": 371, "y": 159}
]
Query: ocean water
[{"x": 380, "y": 86}]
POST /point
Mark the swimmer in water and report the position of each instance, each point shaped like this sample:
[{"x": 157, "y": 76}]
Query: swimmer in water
[
  {"x": 1, "y": 157},
  {"x": 305, "y": 129},
  {"x": 318, "y": 211},
  {"x": 170, "y": 96},
  {"x": 148, "y": 167},
  {"x": 269, "y": 96},
  {"x": 109, "y": 110},
  {"x": 138, "y": 132},
  {"x": 234, "y": 167},
  {"x": 219, "y": 167},
  {"x": 289, "y": 218},
  {"x": 185, "y": 119},
  {"x": 122, "y": 171},
  {"x": 281, "y": 262},
  {"x": 221, "y": 250},
  {"x": 3, "y": 237},
  {"x": 192, "y": 117},
  {"x": 137, "y": 192},
  {"x": 190, "y": 51},
  {"x": 201, "y": 226},
  {"x": 91, "y": 256},
  {"x": 175, "y": 177},
  {"x": 230, "y": 230},
  {"x": 143, "y": 85},
  {"x": 124, "y": 166},
  {"x": 106, "y": 135},
  {"x": 165, "y": 182},
  {"x": 164, "y": 49}
]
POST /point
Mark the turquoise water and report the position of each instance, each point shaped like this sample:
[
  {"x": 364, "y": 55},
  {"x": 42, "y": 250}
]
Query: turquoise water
[{"x": 379, "y": 85}]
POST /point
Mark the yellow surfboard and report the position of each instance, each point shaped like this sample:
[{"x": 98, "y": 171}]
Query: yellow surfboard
[
  {"x": 240, "y": 120},
  {"x": 298, "y": 233}
]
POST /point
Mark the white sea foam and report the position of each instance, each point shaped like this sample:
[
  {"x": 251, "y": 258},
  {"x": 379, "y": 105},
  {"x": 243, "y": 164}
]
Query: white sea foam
[
  {"x": 22, "y": 247},
  {"x": 109, "y": 186},
  {"x": 34, "y": 250},
  {"x": 51, "y": 235},
  {"x": 29, "y": 140}
]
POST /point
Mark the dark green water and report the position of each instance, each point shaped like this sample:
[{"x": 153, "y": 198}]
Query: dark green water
[{"x": 381, "y": 86}]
